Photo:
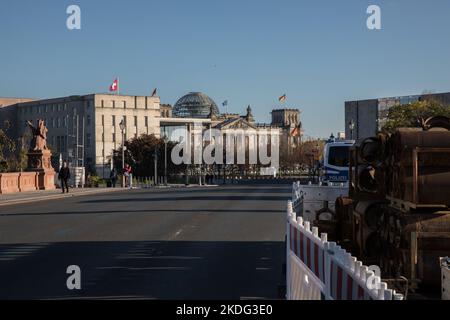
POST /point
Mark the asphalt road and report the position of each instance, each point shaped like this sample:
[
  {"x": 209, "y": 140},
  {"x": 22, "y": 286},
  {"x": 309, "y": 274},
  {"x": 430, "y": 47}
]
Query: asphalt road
[{"x": 197, "y": 243}]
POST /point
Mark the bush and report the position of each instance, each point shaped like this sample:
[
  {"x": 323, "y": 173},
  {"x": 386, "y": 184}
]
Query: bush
[{"x": 95, "y": 181}]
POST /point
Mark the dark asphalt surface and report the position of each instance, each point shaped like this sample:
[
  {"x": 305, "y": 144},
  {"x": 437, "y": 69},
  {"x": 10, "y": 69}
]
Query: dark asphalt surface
[{"x": 197, "y": 243}]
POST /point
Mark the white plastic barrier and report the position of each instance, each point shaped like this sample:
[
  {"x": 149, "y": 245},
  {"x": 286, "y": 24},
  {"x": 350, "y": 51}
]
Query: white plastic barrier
[
  {"x": 318, "y": 269},
  {"x": 309, "y": 199},
  {"x": 445, "y": 267}
]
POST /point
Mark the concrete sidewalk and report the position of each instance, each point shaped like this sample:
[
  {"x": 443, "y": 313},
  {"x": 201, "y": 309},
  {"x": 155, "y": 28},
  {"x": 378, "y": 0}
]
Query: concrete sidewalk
[
  {"x": 25, "y": 197},
  {"x": 35, "y": 196}
]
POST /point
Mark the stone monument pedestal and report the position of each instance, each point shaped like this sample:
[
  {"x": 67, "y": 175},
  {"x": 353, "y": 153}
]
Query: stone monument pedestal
[{"x": 39, "y": 161}]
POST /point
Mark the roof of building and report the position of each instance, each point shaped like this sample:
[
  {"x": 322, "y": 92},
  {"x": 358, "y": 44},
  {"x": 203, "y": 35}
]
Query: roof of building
[
  {"x": 195, "y": 105},
  {"x": 234, "y": 123},
  {"x": 8, "y": 101},
  {"x": 285, "y": 109}
]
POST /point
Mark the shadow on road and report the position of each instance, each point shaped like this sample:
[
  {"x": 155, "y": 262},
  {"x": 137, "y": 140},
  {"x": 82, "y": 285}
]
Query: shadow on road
[
  {"x": 276, "y": 189},
  {"x": 143, "y": 269},
  {"x": 149, "y": 211},
  {"x": 192, "y": 198}
]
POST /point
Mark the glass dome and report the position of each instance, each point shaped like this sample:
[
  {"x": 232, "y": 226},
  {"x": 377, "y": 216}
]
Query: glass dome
[{"x": 195, "y": 105}]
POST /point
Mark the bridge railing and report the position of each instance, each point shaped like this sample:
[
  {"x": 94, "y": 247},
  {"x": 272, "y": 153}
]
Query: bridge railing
[{"x": 317, "y": 269}]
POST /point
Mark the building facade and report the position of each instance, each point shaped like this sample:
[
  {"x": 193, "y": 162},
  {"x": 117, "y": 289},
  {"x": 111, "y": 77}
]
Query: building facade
[
  {"x": 288, "y": 120},
  {"x": 365, "y": 118},
  {"x": 285, "y": 123},
  {"x": 4, "y": 102},
  {"x": 86, "y": 129}
]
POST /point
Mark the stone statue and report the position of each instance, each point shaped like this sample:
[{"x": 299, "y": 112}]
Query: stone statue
[
  {"x": 39, "y": 141},
  {"x": 39, "y": 157}
]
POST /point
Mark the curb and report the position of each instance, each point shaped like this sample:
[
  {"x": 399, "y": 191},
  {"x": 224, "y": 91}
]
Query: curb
[
  {"x": 57, "y": 196},
  {"x": 85, "y": 193}
]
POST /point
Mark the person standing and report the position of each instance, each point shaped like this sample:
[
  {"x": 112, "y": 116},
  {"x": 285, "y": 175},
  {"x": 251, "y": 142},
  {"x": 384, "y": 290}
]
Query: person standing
[
  {"x": 64, "y": 176},
  {"x": 113, "y": 177},
  {"x": 128, "y": 173},
  {"x": 130, "y": 177}
]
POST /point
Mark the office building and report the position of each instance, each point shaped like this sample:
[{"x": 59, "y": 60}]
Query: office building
[{"x": 365, "y": 118}]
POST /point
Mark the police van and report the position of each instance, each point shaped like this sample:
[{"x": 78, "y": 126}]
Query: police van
[{"x": 335, "y": 162}]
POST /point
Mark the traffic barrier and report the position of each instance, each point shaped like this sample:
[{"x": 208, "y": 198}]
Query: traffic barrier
[
  {"x": 318, "y": 269},
  {"x": 445, "y": 274}
]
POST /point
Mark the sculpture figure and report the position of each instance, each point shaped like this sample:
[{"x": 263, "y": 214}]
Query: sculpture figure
[{"x": 39, "y": 141}]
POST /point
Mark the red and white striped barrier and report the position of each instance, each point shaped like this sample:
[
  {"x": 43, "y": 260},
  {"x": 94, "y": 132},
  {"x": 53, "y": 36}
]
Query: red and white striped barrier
[{"x": 318, "y": 269}]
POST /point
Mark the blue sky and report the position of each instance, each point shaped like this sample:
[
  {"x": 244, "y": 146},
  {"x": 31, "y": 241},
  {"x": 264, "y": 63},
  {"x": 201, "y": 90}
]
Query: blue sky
[{"x": 320, "y": 53}]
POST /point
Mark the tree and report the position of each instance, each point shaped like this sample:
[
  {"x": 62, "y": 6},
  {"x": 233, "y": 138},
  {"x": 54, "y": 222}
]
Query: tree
[
  {"x": 7, "y": 146},
  {"x": 310, "y": 151},
  {"x": 409, "y": 115},
  {"x": 140, "y": 152}
]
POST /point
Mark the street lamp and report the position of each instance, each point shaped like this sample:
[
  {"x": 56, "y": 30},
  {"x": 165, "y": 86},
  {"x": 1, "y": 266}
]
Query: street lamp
[
  {"x": 351, "y": 126},
  {"x": 122, "y": 129},
  {"x": 155, "y": 160},
  {"x": 166, "y": 140}
]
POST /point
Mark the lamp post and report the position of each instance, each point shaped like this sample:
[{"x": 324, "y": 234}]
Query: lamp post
[
  {"x": 155, "y": 160},
  {"x": 122, "y": 129},
  {"x": 166, "y": 140},
  {"x": 317, "y": 160},
  {"x": 351, "y": 126}
]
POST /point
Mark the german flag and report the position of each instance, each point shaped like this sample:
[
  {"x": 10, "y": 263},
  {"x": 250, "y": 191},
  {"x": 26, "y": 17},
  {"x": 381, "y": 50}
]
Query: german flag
[{"x": 282, "y": 98}]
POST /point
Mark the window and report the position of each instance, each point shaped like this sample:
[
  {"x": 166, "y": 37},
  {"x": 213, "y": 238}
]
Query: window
[
  {"x": 124, "y": 104},
  {"x": 59, "y": 122},
  {"x": 65, "y": 106},
  {"x": 103, "y": 120},
  {"x": 114, "y": 121},
  {"x": 103, "y": 103},
  {"x": 146, "y": 121},
  {"x": 135, "y": 121},
  {"x": 59, "y": 107},
  {"x": 114, "y": 137},
  {"x": 65, "y": 121},
  {"x": 46, "y": 108},
  {"x": 88, "y": 120},
  {"x": 125, "y": 120},
  {"x": 113, "y": 104},
  {"x": 63, "y": 142},
  {"x": 339, "y": 156},
  {"x": 88, "y": 140}
]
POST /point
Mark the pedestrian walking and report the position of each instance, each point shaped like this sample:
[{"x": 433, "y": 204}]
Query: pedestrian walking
[
  {"x": 113, "y": 177},
  {"x": 64, "y": 176}
]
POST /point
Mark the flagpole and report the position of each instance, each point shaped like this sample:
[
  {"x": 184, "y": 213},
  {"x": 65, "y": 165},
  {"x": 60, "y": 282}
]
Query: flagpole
[{"x": 118, "y": 86}]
